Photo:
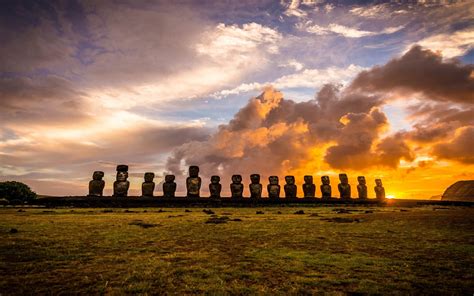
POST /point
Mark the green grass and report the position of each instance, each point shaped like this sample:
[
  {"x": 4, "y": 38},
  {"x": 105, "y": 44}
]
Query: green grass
[{"x": 87, "y": 251}]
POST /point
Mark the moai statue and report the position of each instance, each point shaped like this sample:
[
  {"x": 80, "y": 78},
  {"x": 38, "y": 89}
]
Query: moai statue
[
  {"x": 96, "y": 185},
  {"x": 121, "y": 184},
  {"x": 273, "y": 188},
  {"x": 215, "y": 187},
  {"x": 379, "y": 190},
  {"x": 290, "y": 187},
  {"x": 325, "y": 187},
  {"x": 148, "y": 186},
  {"x": 344, "y": 187},
  {"x": 193, "y": 182},
  {"x": 362, "y": 187},
  {"x": 236, "y": 187},
  {"x": 255, "y": 187},
  {"x": 169, "y": 186},
  {"x": 309, "y": 189}
]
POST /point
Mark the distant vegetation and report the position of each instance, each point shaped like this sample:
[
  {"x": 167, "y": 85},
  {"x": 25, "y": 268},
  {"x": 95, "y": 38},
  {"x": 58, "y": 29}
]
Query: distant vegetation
[{"x": 16, "y": 191}]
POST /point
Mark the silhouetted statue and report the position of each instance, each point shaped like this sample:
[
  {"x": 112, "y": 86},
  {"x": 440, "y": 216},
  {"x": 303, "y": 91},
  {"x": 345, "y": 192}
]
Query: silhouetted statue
[
  {"x": 193, "y": 182},
  {"x": 255, "y": 187},
  {"x": 309, "y": 189},
  {"x": 362, "y": 187},
  {"x": 148, "y": 186},
  {"x": 273, "y": 188},
  {"x": 379, "y": 190},
  {"x": 344, "y": 187},
  {"x": 121, "y": 184},
  {"x": 236, "y": 187},
  {"x": 169, "y": 186},
  {"x": 290, "y": 187},
  {"x": 215, "y": 187},
  {"x": 326, "y": 192},
  {"x": 96, "y": 185}
]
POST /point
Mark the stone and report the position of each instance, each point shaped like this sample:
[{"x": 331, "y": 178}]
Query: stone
[
  {"x": 96, "y": 185},
  {"x": 217, "y": 220},
  {"x": 121, "y": 184},
  {"x": 208, "y": 211},
  {"x": 379, "y": 190},
  {"x": 309, "y": 189},
  {"x": 344, "y": 187},
  {"x": 273, "y": 187},
  {"x": 148, "y": 186},
  {"x": 236, "y": 187},
  {"x": 142, "y": 224},
  {"x": 122, "y": 168},
  {"x": 255, "y": 186},
  {"x": 362, "y": 187},
  {"x": 193, "y": 182},
  {"x": 290, "y": 188},
  {"x": 215, "y": 187},
  {"x": 169, "y": 186},
  {"x": 326, "y": 192}
]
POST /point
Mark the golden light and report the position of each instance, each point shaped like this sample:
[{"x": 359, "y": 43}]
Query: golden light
[{"x": 390, "y": 196}]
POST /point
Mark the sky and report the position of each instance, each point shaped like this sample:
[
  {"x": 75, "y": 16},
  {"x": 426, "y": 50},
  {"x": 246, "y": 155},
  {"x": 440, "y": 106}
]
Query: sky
[{"x": 311, "y": 87}]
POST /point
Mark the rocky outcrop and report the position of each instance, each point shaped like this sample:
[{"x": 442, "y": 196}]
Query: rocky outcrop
[{"x": 461, "y": 191}]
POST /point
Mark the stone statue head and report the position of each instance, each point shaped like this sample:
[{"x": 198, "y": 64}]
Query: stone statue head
[
  {"x": 361, "y": 180},
  {"x": 169, "y": 178},
  {"x": 122, "y": 176},
  {"x": 273, "y": 180},
  {"x": 237, "y": 179},
  {"x": 98, "y": 175},
  {"x": 194, "y": 171},
  {"x": 325, "y": 180},
  {"x": 255, "y": 178},
  {"x": 308, "y": 179},
  {"x": 343, "y": 178},
  {"x": 122, "y": 168},
  {"x": 215, "y": 179},
  {"x": 149, "y": 176},
  {"x": 378, "y": 182},
  {"x": 290, "y": 180}
]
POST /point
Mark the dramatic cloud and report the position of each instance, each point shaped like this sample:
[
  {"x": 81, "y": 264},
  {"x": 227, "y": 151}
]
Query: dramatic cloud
[
  {"x": 423, "y": 71},
  {"x": 272, "y": 135},
  {"x": 345, "y": 129},
  {"x": 460, "y": 148}
]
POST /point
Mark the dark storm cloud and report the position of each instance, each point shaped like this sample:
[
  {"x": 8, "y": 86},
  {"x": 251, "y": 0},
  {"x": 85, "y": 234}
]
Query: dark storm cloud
[{"x": 423, "y": 71}]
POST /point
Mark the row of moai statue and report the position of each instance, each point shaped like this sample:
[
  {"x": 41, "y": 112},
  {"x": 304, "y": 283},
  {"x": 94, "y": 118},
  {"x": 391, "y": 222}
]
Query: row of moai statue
[{"x": 193, "y": 186}]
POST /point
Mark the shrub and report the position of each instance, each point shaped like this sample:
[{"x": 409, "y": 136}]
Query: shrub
[{"x": 12, "y": 190}]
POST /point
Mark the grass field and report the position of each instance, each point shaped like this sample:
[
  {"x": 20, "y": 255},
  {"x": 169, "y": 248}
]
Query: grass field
[{"x": 381, "y": 250}]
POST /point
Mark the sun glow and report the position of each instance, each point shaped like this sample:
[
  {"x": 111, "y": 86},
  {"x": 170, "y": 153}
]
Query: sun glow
[{"x": 390, "y": 196}]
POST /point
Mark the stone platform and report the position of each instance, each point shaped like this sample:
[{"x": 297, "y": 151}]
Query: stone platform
[{"x": 136, "y": 202}]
